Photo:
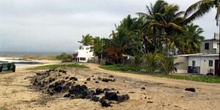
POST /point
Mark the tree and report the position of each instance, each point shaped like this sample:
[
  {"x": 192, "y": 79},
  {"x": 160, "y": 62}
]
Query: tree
[
  {"x": 64, "y": 57},
  {"x": 115, "y": 47},
  {"x": 190, "y": 40},
  {"x": 171, "y": 22},
  {"x": 200, "y": 8},
  {"x": 128, "y": 28},
  {"x": 125, "y": 40},
  {"x": 151, "y": 59},
  {"x": 151, "y": 33},
  {"x": 87, "y": 40},
  {"x": 98, "y": 46}
]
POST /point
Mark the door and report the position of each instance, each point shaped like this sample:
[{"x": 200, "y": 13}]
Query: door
[{"x": 217, "y": 73}]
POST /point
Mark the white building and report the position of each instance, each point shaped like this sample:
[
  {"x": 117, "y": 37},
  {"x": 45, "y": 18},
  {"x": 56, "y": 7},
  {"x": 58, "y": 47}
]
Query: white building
[
  {"x": 84, "y": 53},
  {"x": 197, "y": 63},
  {"x": 201, "y": 63},
  {"x": 210, "y": 46}
]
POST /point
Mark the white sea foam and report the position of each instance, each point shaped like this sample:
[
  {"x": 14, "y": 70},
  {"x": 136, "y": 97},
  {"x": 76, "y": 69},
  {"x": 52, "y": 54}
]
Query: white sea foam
[{"x": 18, "y": 60}]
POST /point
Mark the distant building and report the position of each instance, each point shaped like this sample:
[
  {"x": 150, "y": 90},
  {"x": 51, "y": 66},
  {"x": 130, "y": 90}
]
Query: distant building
[
  {"x": 210, "y": 46},
  {"x": 84, "y": 54},
  {"x": 205, "y": 62}
]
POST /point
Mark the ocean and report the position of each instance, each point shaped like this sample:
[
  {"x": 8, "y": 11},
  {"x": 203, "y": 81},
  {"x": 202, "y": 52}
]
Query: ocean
[{"x": 15, "y": 53}]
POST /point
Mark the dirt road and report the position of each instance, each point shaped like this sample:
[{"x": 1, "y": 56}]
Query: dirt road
[{"x": 146, "y": 92}]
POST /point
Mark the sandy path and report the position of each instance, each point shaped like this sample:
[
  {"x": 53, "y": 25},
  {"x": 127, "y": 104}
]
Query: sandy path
[
  {"x": 166, "y": 81},
  {"x": 160, "y": 93},
  {"x": 206, "y": 97}
]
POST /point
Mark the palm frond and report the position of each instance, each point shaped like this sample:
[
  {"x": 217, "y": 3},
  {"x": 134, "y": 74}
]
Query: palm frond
[{"x": 198, "y": 9}]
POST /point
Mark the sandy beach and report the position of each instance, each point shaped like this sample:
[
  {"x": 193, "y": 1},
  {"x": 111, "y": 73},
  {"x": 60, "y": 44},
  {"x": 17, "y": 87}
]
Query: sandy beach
[{"x": 146, "y": 92}]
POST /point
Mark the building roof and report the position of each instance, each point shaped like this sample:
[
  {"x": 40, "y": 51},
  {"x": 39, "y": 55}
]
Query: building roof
[
  {"x": 198, "y": 55},
  {"x": 213, "y": 39}
]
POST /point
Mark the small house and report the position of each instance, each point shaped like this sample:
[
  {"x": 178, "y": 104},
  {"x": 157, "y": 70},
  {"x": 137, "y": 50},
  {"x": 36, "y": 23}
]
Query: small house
[{"x": 206, "y": 62}]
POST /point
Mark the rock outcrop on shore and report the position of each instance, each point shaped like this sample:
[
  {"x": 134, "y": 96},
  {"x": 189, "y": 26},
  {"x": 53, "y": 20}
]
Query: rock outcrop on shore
[{"x": 60, "y": 82}]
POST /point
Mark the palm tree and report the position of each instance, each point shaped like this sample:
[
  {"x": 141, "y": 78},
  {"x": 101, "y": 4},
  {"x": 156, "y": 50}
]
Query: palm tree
[
  {"x": 150, "y": 33},
  {"x": 86, "y": 40},
  {"x": 190, "y": 40},
  {"x": 115, "y": 47},
  {"x": 170, "y": 21},
  {"x": 200, "y": 8},
  {"x": 98, "y": 46}
]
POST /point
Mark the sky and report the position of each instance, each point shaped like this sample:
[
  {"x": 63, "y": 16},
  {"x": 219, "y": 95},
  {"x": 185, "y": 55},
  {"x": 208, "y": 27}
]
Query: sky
[{"x": 58, "y": 25}]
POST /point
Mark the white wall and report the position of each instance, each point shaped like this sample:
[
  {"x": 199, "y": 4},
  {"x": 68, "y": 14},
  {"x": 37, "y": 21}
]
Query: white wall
[
  {"x": 203, "y": 63},
  {"x": 213, "y": 46},
  {"x": 182, "y": 65},
  {"x": 194, "y": 58},
  {"x": 85, "y": 52}
]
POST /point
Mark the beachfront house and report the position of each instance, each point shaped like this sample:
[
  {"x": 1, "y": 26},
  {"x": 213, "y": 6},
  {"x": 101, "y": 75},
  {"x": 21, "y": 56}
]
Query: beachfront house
[
  {"x": 205, "y": 62},
  {"x": 84, "y": 53}
]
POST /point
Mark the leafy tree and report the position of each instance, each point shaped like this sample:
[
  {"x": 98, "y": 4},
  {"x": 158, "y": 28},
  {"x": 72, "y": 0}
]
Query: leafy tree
[
  {"x": 87, "y": 40},
  {"x": 98, "y": 46},
  {"x": 166, "y": 64},
  {"x": 115, "y": 47},
  {"x": 191, "y": 39},
  {"x": 170, "y": 21},
  {"x": 151, "y": 59},
  {"x": 152, "y": 33},
  {"x": 125, "y": 40},
  {"x": 128, "y": 28},
  {"x": 200, "y": 8},
  {"x": 64, "y": 57}
]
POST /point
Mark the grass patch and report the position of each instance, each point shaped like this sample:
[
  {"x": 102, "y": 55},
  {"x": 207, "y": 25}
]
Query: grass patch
[
  {"x": 122, "y": 67},
  {"x": 207, "y": 79},
  {"x": 133, "y": 69},
  {"x": 64, "y": 65}
]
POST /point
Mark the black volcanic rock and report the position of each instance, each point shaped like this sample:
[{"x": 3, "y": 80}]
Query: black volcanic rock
[
  {"x": 98, "y": 91},
  {"x": 190, "y": 89}
]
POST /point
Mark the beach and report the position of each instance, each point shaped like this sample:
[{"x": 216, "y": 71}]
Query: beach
[{"x": 145, "y": 92}]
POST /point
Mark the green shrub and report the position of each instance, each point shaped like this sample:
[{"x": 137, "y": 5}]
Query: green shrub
[
  {"x": 65, "y": 65},
  {"x": 64, "y": 57},
  {"x": 121, "y": 67}
]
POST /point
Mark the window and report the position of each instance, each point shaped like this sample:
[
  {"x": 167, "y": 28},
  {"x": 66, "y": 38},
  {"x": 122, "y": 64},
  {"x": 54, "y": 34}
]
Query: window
[
  {"x": 82, "y": 58},
  {"x": 206, "y": 46},
  {"x": 193, "y": 63},
  {"x": 210, "y": 63}
]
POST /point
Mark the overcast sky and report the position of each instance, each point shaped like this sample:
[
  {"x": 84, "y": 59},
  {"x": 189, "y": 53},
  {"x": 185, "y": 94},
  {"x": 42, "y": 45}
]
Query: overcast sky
[{"x": 57, "y": 25}]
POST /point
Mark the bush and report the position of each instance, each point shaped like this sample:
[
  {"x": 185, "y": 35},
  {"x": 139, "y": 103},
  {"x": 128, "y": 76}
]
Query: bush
[
  {"x": 122, "y": 67},
  {"x": 64, "y": 57},
  {"x": 63, "y": 65}
]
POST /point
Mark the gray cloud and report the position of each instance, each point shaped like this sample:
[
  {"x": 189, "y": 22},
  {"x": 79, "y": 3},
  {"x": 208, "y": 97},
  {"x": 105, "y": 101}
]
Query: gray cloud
[{"x": 57, "y": 25}]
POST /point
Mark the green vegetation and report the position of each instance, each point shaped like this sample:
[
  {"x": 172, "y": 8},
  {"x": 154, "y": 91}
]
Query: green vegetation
[
  {"x": 64, "y": 65},
  {"x": 122, "y": 68},
  {"x": 154, "y": 37},
  {"x": 136, "y": 70},
  {"x": 200, "y": 8},
  {"x": 207, "y": 79},
  {"x": 64, "y": 57}
]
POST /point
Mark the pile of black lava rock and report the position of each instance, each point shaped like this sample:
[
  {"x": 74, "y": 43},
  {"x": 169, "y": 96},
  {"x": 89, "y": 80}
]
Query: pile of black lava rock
[{"x": 56, "y": 82}]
